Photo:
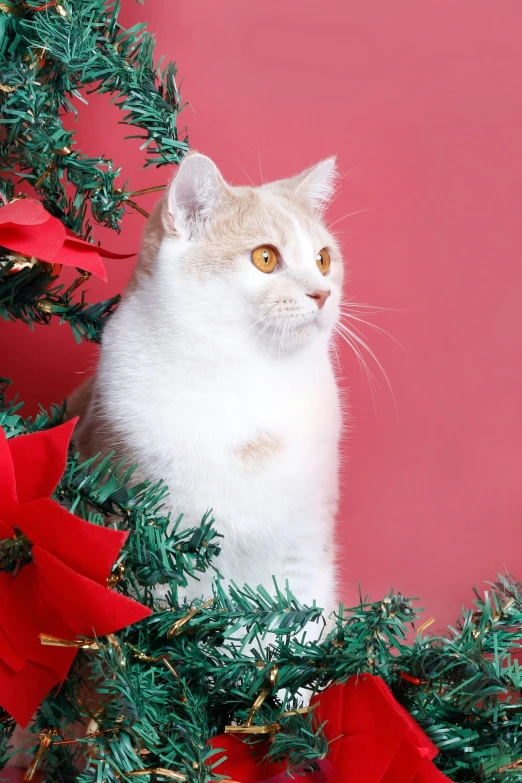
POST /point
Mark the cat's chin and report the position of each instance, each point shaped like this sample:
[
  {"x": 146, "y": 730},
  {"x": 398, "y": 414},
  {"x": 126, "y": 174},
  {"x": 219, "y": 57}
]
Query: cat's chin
[{"x": 286, "y": 340}]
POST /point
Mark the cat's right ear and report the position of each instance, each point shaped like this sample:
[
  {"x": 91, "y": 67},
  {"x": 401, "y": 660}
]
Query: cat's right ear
[{"x": 194, "y": 194}]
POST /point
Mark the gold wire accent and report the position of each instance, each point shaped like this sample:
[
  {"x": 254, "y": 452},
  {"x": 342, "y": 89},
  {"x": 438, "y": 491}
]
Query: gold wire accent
[
  {"x": 247, "y": 727},
  {"x": 61, "y": 11},
  {"x": 178, "y": 625},
  {"x": 159, "y": 659},
  {"x": 137, "y": 207},
  {"x": 80, "y": 644},
  {"x": 41, "y": 179},
  {"x": 299, "y": 711},
  {"x": 144, "y": 191},
  {"x": 272, "y": 678},
  {"x": 45, "y": 741},
  {"x": 112, "y": 579},
  {"x": 512, "y": 765},
  {"x": 77, "y": 283},
  {"x": 45, "y": 307},
  {"x": 425, "y": 625},
  {"x": 272, "y": 728},
  {"x": 166, "y": 773},
  {"x": 91, "y": 735}
]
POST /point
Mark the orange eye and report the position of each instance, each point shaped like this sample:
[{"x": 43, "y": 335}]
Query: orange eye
[
  {"x": 323, "y": 261},
  {"x": 264, "y": 258}
]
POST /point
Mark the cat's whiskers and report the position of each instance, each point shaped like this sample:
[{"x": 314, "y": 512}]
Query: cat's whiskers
[
  {"x": 372, "y": 382},
  {"x": 349, "y": 314},
  {"x": 267, "y": 325},
  {"x": 279, "y": 326},
  {"x": 255, "y": 323},
  {"x": 281, "y": 339},
  {"x": 350, "y": 214},
  {"x": 364, "y": 345}
]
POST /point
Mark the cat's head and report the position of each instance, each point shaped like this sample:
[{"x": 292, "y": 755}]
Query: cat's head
[{"x": 257, "y": 260}]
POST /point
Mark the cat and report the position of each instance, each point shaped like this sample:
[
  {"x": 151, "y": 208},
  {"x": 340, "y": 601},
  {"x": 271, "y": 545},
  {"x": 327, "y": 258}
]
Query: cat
[{"x": 215, "y": 373}]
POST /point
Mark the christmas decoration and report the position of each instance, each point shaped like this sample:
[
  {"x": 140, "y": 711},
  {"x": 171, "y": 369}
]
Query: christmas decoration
[
  {"x": 33, "y": 233},
  {"x": 372, "y": 739},
  {"x": 51, "y": 55},
  {"x": 53, "y": 573},
  {"x": 153, "y": 700},
  {"x": 168, "y": 699}
]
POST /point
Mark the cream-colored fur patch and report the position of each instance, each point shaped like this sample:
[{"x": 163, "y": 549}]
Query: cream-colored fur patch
[{"x": 257, "y": 454}]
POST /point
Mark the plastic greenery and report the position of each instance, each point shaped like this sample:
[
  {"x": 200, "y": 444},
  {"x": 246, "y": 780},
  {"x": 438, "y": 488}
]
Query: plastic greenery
[
  {"x": 152, "y": 696},
  {"x": 51, "y": 55},
  {"x": 158, "y": 697}
]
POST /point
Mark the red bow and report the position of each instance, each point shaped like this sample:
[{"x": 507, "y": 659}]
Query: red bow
[
  {"x": 373, "y": 740},
  {"x": 63, "y": 590},
  {"x": 27, "y": 228}
]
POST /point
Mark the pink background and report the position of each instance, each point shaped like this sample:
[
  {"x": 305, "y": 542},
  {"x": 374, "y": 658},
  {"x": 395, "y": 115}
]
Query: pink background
[{"x": 422, "y": 103}]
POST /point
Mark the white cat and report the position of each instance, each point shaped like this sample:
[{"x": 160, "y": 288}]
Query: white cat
[{"x": 215, "y": 372}]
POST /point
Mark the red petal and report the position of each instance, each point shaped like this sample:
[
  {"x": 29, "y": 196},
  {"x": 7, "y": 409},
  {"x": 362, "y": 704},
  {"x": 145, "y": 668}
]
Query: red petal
[
  {"x": 6, "y": 531},
  {"x": 405, "y": 764},
  {"x": 22, "y": 692},
  {"x": 428, "y": 773},
  {"x": 331, "y": 710},
  {"x": 8, "y": 653},
  {"x": 100, "y": 250},
  {"x": 86, "y": 548},
  {"x": 39, "y": 460},
  {"x": 42, "y": 241},
  {"x": 380, "y": 740},
  {"x": 7, "y": 482},
  {"x": 242, "y": 760},
  {"x": 24, "y": 212},
  {"x": 24, "y": 614},
  {"x": 417, "y": 734},
  {"x": 86, "y": 606},
  {"x": 82, "y": 256}
]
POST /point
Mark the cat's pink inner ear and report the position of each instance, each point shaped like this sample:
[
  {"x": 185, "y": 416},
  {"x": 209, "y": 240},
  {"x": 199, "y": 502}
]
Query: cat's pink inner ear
[
  {"x": 195, "y": 193},
  {"x": 316, "y": 185}
]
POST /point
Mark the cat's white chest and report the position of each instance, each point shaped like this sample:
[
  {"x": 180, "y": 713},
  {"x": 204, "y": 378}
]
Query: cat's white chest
[
  {"x": 242, "y": 438},
  {"x": 253, "y": 440}
]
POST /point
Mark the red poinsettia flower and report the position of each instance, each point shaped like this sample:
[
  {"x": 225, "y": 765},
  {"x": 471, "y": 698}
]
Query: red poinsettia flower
[
  {"x": 376, "y": 739},
  {"x": 27, "y": 228},
  {"x": 63, "y": 590},
  {"x": 373, "y": 739}
]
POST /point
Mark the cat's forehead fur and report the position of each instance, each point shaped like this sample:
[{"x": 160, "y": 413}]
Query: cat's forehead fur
[
  {"x": 250, "y": 217},
  {"x": 246, "y": 217}
]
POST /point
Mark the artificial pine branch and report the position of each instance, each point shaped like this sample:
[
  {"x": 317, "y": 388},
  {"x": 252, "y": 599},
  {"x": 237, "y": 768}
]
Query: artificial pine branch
[
  {"x": 46, "y": 59},
  {"x": 51, "y": 55},
  {"x": 29, "y": 296}
]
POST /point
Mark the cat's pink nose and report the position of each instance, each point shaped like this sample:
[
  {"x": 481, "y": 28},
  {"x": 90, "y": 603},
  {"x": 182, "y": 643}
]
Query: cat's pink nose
[{"x": 320, "y": 297}]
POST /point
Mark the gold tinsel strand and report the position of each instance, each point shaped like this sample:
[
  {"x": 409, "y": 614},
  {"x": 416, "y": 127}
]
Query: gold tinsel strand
[
  {"x": 113, "y": 579},
  {"x": 41, "y": 179},
  {"x": 80, "y": 644},
  {"x": 247, "y": 727},
  {"x": 166, "y": 773},
  {"x": 45, "y": 740},
  {"x": 178, "y": 625}
]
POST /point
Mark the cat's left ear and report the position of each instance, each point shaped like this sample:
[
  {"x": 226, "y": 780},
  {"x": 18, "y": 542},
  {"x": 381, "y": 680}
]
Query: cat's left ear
[
  {"x": 316, "y": 185},
  {"x": 195, "y": 193}
]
